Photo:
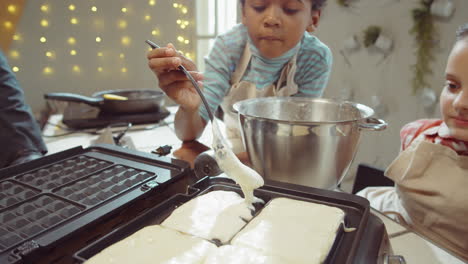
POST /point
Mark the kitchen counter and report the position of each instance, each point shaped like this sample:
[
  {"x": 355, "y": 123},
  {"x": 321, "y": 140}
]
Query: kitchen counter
[{"x": 147, "y": 138}]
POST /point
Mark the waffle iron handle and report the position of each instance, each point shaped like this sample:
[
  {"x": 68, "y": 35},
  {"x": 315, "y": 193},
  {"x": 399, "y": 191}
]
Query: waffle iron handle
[
  {"x": 206, "y": 165},
  {"x": 394, "y": 259}
]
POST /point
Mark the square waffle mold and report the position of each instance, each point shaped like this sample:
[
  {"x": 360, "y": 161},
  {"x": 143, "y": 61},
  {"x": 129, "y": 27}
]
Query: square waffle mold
[
  {"x": 365, "y": 245},
  {"x": 56, "y": 197}
]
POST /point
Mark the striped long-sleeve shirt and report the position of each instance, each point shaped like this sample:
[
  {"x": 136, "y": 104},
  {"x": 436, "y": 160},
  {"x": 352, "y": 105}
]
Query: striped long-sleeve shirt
[{"x": 314, "y": 60}]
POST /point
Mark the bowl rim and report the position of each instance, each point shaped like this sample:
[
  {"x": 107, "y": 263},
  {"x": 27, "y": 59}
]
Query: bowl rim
[{"x": 365, "y": 111}]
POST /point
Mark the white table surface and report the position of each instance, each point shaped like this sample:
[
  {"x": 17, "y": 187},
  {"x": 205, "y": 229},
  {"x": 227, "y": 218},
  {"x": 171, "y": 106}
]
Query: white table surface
[{"x": 147, "y": 138}]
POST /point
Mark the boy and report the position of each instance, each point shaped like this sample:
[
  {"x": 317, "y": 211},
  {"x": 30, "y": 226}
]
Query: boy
[
  {"x": 270, "y": 54},
  {"x": 431, "y": 172}
]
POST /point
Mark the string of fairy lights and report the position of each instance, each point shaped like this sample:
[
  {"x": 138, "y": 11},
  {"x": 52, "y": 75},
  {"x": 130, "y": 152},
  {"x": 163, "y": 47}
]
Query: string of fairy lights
[{"x": 73, "y": 46}]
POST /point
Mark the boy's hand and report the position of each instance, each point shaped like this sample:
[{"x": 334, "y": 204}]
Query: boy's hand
[{"x": 164, "y": 62}]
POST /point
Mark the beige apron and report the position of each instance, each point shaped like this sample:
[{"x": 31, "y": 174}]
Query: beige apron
[
  {"x": 431, "y": 193},
  {"x": 241, "y": 90}
]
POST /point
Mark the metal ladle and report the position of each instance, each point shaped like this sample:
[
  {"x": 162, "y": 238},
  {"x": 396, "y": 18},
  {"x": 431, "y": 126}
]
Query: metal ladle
[{"x": 194, "y": 83}]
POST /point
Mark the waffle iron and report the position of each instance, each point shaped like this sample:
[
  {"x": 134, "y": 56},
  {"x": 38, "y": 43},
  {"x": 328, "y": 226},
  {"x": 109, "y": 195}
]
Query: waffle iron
[
  {"x": 67, "y": 207},
  {"x": 53, "y": 206},
  {"x": 365, "y": 245}
]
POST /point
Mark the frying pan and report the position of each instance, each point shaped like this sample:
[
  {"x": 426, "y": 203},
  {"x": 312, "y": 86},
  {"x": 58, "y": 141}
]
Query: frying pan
[{"x": 138, "y": 101}]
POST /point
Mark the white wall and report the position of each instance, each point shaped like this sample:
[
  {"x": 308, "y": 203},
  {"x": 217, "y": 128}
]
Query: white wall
[{"x": 391, "y": 79}]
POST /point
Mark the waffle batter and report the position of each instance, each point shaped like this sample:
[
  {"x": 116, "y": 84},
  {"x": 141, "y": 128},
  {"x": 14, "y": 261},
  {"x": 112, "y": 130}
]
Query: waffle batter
[
  {"x": 246, "y": 177},
  {"x": 155, "y": 244},
  {"x": 300, "y": 232},
  {"x": 239, "y": 255},
  {"x": 215, "y": 215}
]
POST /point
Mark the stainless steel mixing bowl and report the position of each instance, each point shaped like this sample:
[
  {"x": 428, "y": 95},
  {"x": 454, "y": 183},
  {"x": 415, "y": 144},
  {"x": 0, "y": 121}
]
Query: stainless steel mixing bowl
[{"x": 306, "y": 141}]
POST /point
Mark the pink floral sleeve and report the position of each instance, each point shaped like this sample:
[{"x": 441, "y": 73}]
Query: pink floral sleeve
[{"x": 411, "y": 130}]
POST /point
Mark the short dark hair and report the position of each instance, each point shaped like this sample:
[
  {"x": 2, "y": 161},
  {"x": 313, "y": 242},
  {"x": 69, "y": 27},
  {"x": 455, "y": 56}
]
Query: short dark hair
[
  {"x": 462, "y": 32},
  {"x": 316, "y": 4}
]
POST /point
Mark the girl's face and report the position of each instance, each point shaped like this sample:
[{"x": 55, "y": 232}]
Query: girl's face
[
  {"x": 276, "y": 26},
  {"x": 454, "y": 97}
]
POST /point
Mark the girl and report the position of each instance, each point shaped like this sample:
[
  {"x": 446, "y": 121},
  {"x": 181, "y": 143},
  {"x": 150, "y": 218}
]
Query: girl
[{"x": 431, "y": 172}]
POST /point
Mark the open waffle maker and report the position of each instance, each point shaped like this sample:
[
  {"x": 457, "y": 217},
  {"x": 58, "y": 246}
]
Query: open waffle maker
[{"x": 67, "y": 207}]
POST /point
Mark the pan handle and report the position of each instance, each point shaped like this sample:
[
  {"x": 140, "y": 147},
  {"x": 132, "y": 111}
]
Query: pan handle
[
  {"x": 374, "y": 124},
  {"x": 71, "y": 97}
]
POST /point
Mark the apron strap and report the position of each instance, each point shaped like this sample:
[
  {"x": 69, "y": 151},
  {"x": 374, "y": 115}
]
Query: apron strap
[{"x": 243, "y": 63}]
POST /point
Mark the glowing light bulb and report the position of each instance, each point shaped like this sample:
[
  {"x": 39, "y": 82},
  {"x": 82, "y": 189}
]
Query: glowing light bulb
[
  {"x": 184, "y": 10},
  {"x": 74, "y": 20},
  {"x": 16, "y": 37},
  {"x": 186, "y": 41},
  {"x": 124, "y": 10},
  {"x": 94, "y": 9},
  {"x": 50, "y": 54},
  {"x": 121, "y": 55},
  {"x": 175, "y": 5},
  {"x": 14, "y": 54},
  {"x": 45, "y": 8},
  {"x": 8, "y": 24},
  {"x": 180, "y": 38},
  {"x": 125, "y": 41},
  {"x": 98, "y": 39},
  {"x": 15, "y": 69},
  {"x": 43, "y": 39},
  {"x": 152, "y": 2},
  {"x": 76, "y": 69},
  {"x": 100, "y": 54},
  {"x": 73, "y": 52},
  {"x": 11, "y": 9},
  {"x": 99, "y": 69},
  {"x": 182, "y": 26},
  {"x": 71, "y": 7},
  {"x": 178, "y": 21},
  {"x": 123, "y": 70},
  {"x": 147, "y": 17},
  {"x": 44, "y": 23},
  {"x": 122, "y": 24},
  {"x": 71, "y": 40},
  {"x": 47, "y": 70},
  {"x": 155, "y": 32}
]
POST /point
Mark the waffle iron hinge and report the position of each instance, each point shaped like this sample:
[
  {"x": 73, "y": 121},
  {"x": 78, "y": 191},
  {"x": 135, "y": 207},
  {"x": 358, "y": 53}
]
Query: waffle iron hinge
[{"x": 26, "y": 248}]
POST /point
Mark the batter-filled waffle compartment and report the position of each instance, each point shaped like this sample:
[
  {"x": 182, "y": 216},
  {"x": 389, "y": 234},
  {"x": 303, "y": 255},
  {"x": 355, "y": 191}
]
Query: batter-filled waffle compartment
[{"x": 344, "y": 247}]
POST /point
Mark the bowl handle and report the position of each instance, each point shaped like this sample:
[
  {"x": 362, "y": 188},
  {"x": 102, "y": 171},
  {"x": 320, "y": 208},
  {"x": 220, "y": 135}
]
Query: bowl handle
[{"x": 373, "y": 124}]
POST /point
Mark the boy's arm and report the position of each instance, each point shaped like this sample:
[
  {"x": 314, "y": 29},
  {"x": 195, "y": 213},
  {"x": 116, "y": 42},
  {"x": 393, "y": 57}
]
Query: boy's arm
[
  {"x": 313, "y": 68},
  {"x": 189, "y": 125}
]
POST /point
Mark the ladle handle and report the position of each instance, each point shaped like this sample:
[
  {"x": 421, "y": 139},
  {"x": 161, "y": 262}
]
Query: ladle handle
[{"x": 194, "y": 83}]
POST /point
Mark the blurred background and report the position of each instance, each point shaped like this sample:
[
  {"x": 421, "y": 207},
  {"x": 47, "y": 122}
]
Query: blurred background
[{"x": 84, "y": 46}]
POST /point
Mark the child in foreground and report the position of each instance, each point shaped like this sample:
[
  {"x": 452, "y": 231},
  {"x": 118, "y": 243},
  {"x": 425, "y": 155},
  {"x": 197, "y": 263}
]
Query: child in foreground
[{"x": 431, "y": 172}]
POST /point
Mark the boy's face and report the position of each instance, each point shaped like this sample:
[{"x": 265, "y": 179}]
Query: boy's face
[
  {"x": 454, "y": 97},
  {"x": 276, "y": 26}
]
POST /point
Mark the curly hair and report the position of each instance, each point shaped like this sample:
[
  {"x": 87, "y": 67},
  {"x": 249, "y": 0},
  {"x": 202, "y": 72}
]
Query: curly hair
[
  {"x": 316, "y": 4},
  {"x": 462, "y": 32}
]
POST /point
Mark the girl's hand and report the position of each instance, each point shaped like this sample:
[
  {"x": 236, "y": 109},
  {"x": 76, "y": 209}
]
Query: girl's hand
[{"x": 164, "y": 62}]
